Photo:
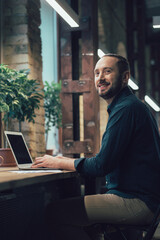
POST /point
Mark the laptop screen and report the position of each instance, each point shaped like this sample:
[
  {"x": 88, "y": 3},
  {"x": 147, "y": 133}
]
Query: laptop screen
[{"x": 19, "y": 148}]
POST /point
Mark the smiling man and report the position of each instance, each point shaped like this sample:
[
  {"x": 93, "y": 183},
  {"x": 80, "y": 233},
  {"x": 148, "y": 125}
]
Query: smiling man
[
  {"x": 129, "y": 157},
  {"x": 110, "y": 77}
]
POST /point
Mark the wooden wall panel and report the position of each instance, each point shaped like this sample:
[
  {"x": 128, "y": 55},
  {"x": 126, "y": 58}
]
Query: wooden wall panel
[
  {"x": 78, "y": 58},
  {"x": 89, "y": 58},
  {"x": 66, "y": 73}
]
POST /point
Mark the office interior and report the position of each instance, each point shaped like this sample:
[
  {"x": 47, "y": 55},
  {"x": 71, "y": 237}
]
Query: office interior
[{"x": 34, "y": 36}]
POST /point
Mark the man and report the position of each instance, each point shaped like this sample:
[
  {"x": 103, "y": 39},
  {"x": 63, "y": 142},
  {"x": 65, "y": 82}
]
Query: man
[{"x": 129, "y": 157}]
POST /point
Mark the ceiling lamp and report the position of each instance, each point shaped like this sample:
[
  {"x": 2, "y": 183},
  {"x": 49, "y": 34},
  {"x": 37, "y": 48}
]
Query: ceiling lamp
[
  {"x": 152, "y": 103},
  {"x": 100, "y": 53},
  {"x": 156, "y": 21},
  {"x": 65, "y": 11},
  {"x": 132, "y": 84}
]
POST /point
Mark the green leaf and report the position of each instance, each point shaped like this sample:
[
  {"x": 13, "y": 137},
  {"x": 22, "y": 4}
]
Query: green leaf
[{"x": 19, "y": 96}]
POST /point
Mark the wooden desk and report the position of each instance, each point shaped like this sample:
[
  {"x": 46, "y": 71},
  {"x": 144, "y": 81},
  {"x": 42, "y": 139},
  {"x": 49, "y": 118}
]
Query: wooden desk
[
  {"x": 10, "y": 179},
  {"x": 23, "y": 199}
]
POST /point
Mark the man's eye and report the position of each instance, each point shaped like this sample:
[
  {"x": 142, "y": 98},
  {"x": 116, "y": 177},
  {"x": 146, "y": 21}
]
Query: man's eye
[
  {"x": 96, "y": 73},
  {"x": 107, "y": 71}
]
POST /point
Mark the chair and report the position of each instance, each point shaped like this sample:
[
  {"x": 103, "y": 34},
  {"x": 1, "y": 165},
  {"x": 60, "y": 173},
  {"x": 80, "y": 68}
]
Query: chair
[{"x": 147, "y": 232}]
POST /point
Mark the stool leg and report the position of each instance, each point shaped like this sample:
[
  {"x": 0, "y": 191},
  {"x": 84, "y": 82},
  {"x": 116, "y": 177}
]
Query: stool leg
[{"x": 123, "y": 234}]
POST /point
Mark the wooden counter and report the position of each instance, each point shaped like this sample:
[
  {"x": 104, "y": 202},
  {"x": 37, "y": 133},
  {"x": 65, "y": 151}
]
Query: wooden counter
[
  {"x": 11, "y": 178},
  {"x": 24, "y": 197}
]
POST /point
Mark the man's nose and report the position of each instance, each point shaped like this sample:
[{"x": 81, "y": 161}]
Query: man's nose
[{"x": 100, "y": 76}]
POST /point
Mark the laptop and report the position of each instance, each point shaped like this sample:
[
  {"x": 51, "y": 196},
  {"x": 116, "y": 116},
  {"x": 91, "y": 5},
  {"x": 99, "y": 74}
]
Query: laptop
[{"x": 20, "y": 151}]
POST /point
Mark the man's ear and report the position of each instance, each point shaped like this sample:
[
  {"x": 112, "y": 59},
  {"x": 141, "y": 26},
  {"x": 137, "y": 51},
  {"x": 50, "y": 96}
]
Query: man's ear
[{"x": 125, "y": 77}]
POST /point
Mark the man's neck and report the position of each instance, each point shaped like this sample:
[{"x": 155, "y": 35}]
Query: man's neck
[{"x": 110, "y": 100}]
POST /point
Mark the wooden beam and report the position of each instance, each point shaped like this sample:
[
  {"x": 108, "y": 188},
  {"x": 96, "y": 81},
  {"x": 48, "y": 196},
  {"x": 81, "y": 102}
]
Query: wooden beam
[
  {"x": 76, "y": 86},
  {"x": 78, "y": 147},
  {"x": 66, "y": 73},
  {"x": 89, "y": 59}
]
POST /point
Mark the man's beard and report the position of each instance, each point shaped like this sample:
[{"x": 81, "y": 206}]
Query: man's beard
[{"x": 114, "y": 90}]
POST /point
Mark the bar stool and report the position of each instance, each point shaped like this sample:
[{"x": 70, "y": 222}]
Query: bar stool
[{"x": 147, "y": 232}]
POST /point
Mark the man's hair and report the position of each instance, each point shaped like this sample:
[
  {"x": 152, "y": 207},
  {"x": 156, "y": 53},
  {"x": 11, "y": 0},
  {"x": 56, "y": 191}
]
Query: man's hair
[{"x": 123, "y": 64}]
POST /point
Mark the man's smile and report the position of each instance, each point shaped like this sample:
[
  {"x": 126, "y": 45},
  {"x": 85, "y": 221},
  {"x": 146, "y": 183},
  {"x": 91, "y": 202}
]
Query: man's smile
[{"x": 103, "y": 86}]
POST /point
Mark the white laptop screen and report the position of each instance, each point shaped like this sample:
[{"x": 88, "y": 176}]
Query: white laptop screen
[{"x": 19, "y": 148}]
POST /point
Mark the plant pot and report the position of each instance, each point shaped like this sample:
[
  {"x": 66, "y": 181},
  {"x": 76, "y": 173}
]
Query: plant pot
[
  {"x": 49, "y": 152},
  {"x": 7, "y": 159}
]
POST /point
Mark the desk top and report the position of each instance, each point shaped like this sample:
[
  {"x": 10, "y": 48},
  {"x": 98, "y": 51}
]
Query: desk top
[{"x": 11, "y": 177}]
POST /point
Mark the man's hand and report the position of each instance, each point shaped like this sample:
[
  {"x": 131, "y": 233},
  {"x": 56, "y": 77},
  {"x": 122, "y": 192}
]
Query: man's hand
[{"x": 57, "y": 162}]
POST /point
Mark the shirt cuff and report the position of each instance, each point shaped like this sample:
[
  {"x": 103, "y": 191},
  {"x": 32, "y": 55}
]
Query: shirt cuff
[{"x": 78, "y": 164}]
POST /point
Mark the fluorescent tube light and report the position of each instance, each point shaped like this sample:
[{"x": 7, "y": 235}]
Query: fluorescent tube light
[
  {"x": 65, "y": 11},
  {"x": 100, "y": 53},
  {"x": 132, "y": 84},
  {"x": 156, "y": 26},
  {"x": 156, "y": 21},
  {"x": 152, "y": 103}
]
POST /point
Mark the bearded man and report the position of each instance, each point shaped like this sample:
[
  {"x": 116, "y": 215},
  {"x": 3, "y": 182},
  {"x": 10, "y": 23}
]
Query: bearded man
[{"x": 129, "y": 157}]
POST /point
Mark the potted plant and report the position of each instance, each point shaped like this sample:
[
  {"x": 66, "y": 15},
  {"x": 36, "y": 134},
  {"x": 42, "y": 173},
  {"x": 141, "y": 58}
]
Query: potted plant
[
  {"x": 19, "y": 96},
  {"x": 52, "y": 105}
]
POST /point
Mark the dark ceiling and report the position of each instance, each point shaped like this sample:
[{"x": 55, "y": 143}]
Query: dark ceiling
[{"x": 152, "y": 7}]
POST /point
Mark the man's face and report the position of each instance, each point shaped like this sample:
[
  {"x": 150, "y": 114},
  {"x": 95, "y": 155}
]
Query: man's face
[{"x": 108, "y": 81}]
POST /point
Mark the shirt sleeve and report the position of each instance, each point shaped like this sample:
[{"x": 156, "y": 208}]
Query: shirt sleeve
[{"x": 115, "y": 141}]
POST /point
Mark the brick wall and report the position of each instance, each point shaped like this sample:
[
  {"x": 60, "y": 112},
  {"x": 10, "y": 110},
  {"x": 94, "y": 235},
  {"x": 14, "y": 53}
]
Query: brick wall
[{"x": 22, "y": 50}]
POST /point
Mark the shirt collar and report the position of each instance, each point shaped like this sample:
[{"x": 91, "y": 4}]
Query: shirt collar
[{"x": 126, "y": 91}]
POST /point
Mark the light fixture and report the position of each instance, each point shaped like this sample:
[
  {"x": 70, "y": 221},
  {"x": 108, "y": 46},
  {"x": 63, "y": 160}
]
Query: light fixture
[
  {"x": 132, "y": 84},
  {"x": 152, "y": 103},
  {"x": 65, "y": 11},
  {"x": 100, "y": 53},
  {"x": 156, "y": 26},
  {"x": 156, "y": 21}
]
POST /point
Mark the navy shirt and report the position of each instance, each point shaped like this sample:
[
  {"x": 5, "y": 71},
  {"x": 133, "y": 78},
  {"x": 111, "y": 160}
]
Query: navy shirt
[{"x": 130, "y": 152}]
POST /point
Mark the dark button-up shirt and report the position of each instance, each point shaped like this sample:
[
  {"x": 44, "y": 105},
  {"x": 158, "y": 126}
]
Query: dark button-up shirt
[{"x": 130, "y": 151}]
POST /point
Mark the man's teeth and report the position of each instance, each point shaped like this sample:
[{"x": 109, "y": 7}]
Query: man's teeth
[{"x": 105, "y": 84}]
